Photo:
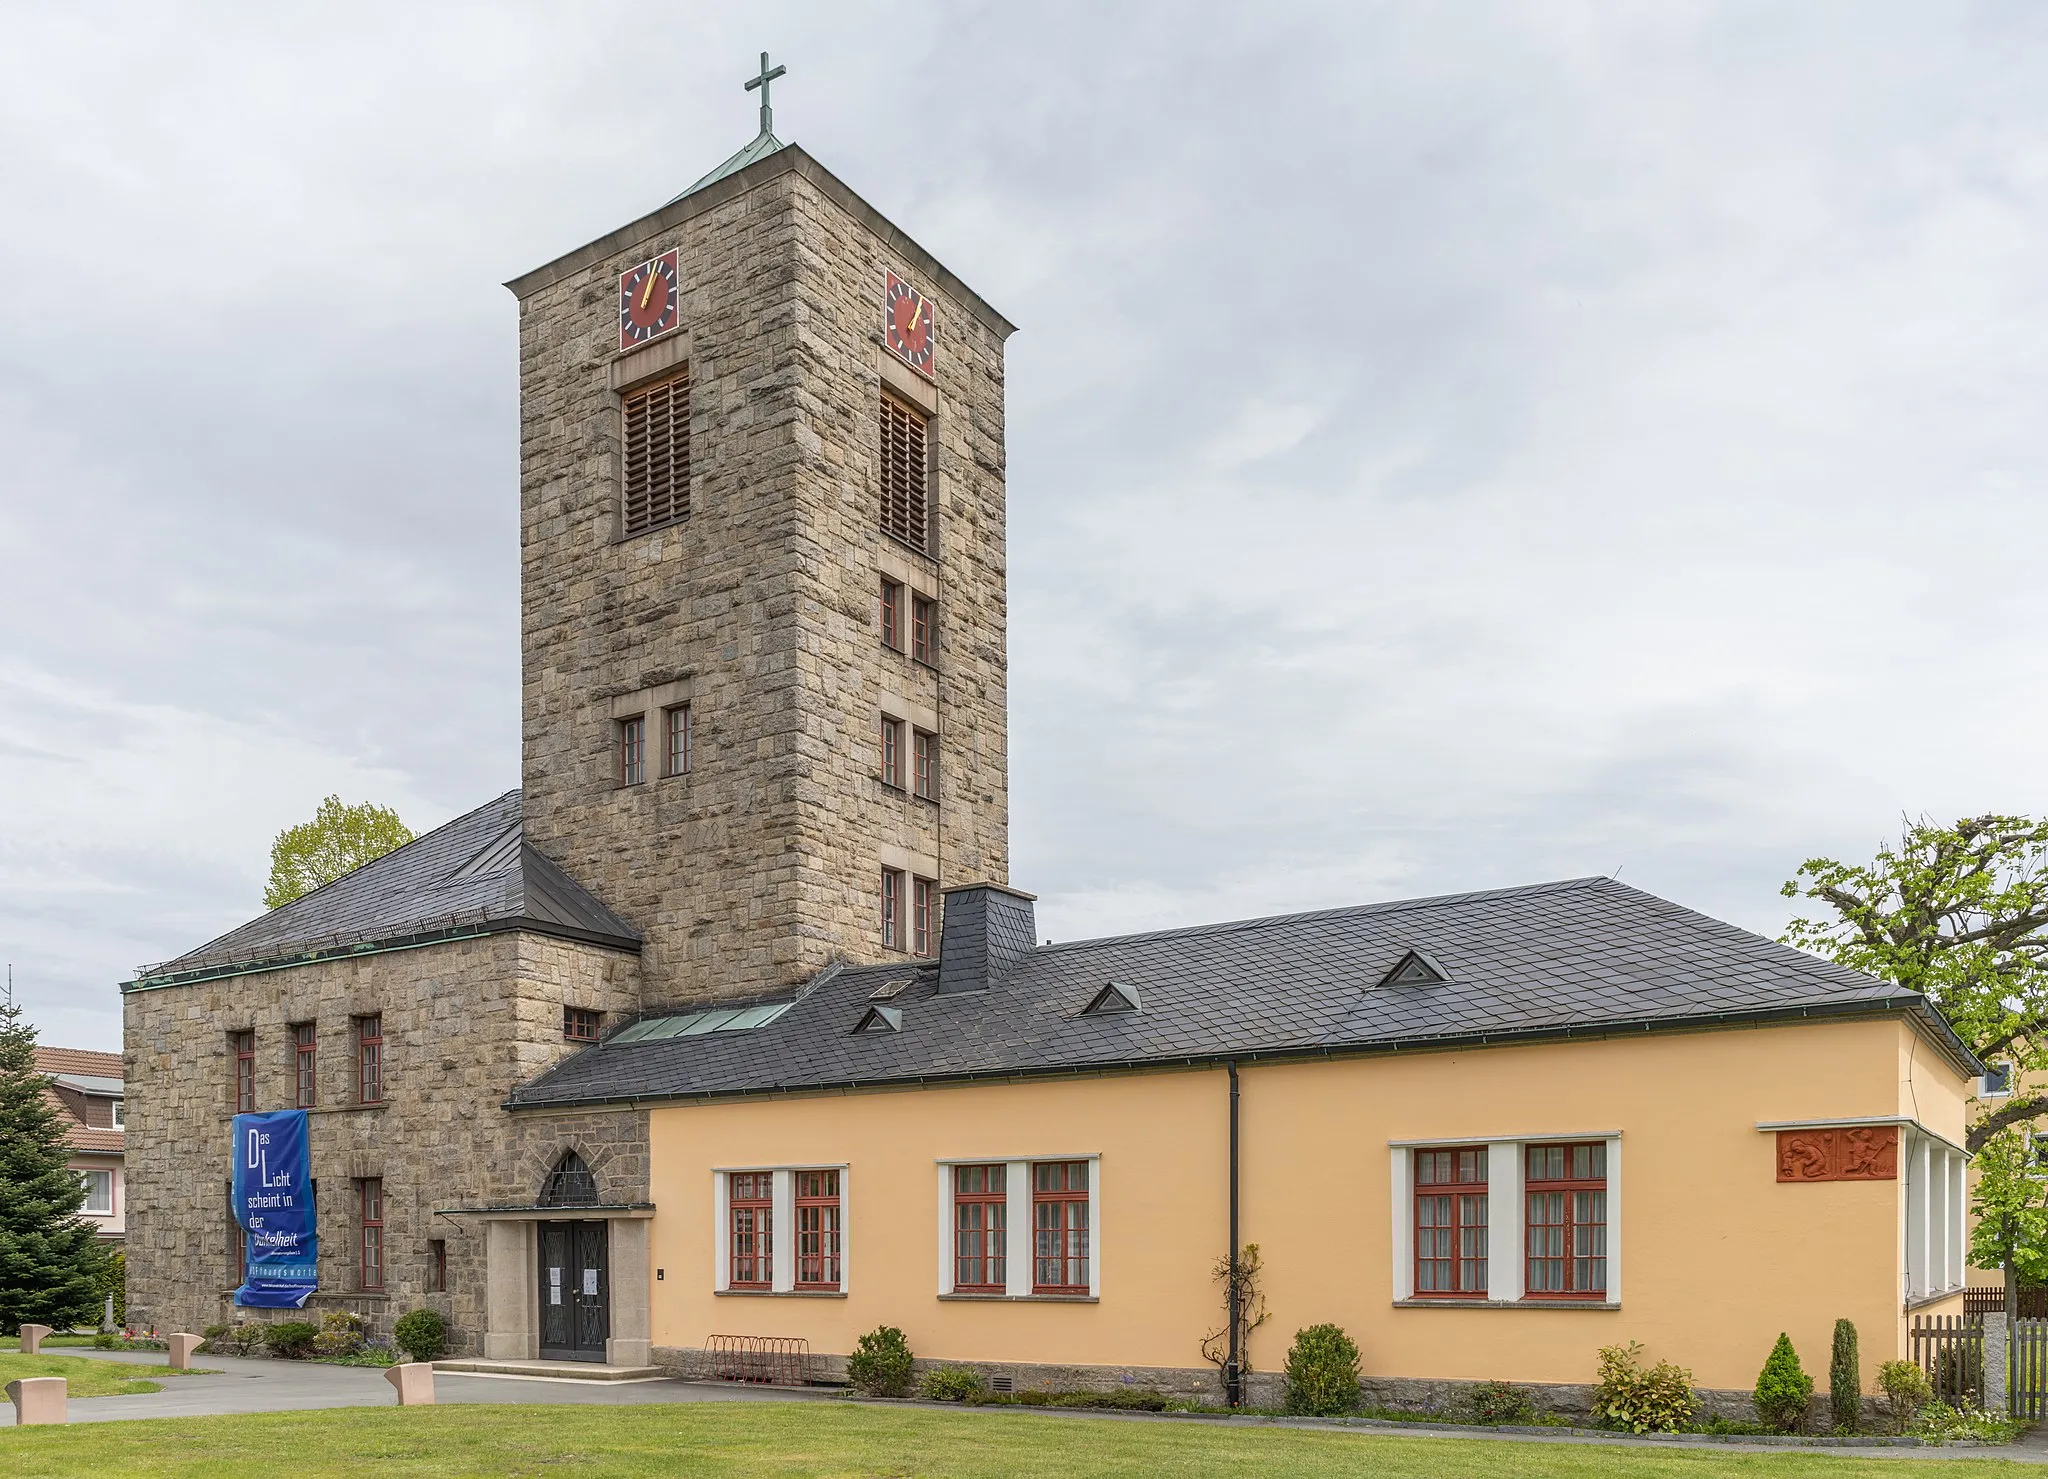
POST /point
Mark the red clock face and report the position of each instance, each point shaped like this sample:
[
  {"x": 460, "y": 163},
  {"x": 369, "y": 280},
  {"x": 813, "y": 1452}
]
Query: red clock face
[
  {"x": 910, "y": 325},
  {"x": 650, "y": 300}
]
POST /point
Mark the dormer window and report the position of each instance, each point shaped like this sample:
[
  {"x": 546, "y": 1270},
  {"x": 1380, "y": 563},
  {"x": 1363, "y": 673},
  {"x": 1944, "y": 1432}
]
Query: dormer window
[
  {"x": 1116, "y": 997},
  {"x": 1415, "y": 969},
  {"x": 119, "y": 1113},
  {"x": 880, "y": 1019}
]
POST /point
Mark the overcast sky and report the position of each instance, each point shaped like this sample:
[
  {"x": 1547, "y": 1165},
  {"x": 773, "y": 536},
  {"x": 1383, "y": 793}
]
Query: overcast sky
[{"x": 1451, "y": 445}]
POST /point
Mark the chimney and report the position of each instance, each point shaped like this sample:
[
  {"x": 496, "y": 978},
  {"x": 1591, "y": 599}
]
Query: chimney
[{"x": 986, "y": 929}]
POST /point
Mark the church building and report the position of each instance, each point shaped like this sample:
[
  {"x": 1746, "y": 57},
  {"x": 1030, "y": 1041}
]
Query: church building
[{"x": 727, "y": 1030}]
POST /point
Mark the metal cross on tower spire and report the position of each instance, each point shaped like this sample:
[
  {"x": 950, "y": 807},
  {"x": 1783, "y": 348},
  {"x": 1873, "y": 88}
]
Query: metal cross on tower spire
[{"x": 762, "y": 81}]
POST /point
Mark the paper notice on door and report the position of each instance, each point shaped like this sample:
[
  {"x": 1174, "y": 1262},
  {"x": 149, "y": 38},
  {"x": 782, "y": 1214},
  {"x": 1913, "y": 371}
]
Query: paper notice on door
[
  {"x": 590, "y": 1282},
  {"x": 554, "y": 1286},
  {"x": 555, "y": 1294}
]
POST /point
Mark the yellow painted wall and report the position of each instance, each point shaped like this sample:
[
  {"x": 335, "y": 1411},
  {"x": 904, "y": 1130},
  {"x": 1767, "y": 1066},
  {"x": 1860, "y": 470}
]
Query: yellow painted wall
[{"x": 1716, "y": 1256}]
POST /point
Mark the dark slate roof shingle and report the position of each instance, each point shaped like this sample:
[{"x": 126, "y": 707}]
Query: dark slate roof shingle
[
  {"x": 475, "y": 873},
  {"x": 1582, "y": 956}
]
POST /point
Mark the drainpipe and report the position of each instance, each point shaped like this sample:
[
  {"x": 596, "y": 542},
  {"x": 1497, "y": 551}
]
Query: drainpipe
[{"x": 1233, "y": 1370}]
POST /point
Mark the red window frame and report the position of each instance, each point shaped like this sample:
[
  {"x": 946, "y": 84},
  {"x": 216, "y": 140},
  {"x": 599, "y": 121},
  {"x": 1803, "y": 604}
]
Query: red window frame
[
  {"x": 372, "y": 1206},
  {"x": 370, "y": 1058},
  {"x": 892, "y": 614},
  {"x": 921, "y": 932},
  {"x": 981, "y": 1229},
  {"x": 244, "y": 1044},
  {"x": 305, "y": 1064},
  {"x": 750, "y": 1229},
  {"x": 633, "y": 750},
  {"x": 1565, "y": 1239},
  {"x": 819, "y": 1230},
  {"x": 921, "y": 629},
  {"x": 580, "y": 1024},
  {"x": 892, "y": 908},
  {"x": 1450, "y": 1222},
  {"x": 892, "y": 752},
  {"x": 676, "y": 739},
  {"x": 1059, "y": 1227},
  {"x": 925, "y": 765}
]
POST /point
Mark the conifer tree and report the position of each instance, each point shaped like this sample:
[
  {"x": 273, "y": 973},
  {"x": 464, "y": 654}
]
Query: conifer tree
[{"x": 50, "y": 1266}]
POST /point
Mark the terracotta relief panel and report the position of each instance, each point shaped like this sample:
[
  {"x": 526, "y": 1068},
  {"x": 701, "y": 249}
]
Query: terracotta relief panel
[{"x": 1857, "y": 1153}]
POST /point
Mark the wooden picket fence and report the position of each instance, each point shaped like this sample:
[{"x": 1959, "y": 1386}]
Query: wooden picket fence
[
  {"x": 2029, "y": 1368},
  {"x": 1950, "y": 1349}
]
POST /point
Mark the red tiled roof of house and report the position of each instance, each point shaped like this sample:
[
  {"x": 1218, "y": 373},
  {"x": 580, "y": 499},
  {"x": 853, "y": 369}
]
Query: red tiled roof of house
[
  {"x": 88, "y": 1064},
  {"x": 78, "y": 1060}
]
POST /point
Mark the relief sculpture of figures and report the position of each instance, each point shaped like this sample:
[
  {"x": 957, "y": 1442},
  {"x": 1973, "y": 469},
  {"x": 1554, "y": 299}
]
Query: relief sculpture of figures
[{"x": 1859, "y": 1153}]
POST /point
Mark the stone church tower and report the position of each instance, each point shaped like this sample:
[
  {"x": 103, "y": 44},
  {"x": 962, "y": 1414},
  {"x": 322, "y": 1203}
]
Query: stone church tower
[
  {"x": 763, "y": 701},
  {"x": 713, "y": 519}
]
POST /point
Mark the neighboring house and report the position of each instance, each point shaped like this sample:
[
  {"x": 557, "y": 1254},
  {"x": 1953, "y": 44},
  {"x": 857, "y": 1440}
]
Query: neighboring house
[{"x": 86, "y": 1086}]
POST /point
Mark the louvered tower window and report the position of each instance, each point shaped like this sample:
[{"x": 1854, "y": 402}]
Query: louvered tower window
[
  {"x": 658, "y": 454},
  {"x": 904, "y": 513}
]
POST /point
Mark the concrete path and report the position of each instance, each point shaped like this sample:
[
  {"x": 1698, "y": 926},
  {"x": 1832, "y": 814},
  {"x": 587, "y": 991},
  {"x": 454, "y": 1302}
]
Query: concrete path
[{"x": 290, "y": 1386}]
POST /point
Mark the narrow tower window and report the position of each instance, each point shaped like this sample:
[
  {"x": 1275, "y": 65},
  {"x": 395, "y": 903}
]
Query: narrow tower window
[
  {"x": 892, "y": 614},
  {"x": 370, "y": 1060},
  {"x": 632, "y": 738},
  {"x": 303, "y": 1049},
  {"x": 676, "y": 739},
  {"x": 244, "y": 1044},
  {"x": 921, "y": 916},
  {"x": 921, "y": 614},
  {"x": 904, "y": 510},
  {"x": 892, "y": 753},
  {"x": 925, "y": 774},
  {"x": 658, "y": 454},
  {"x": 892, "y": 909}
]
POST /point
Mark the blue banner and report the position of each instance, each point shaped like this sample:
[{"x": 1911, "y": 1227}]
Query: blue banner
[{"x": 273, "y": 1200}]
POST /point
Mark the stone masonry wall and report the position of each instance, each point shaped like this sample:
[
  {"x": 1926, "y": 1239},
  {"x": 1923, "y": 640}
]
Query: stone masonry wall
[
  {"x": 463, "y": 1022},
  {"x": 763, "y": 863}
]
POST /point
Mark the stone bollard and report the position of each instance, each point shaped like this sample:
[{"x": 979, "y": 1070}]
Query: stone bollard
[
  {"x": 32, "y": 1338},
  {"x": 414, "y": 1382},
  {"x": 1997, "y": 1343},
  {"x": 182, "y": 1346},
  {"x": 37, "y": 1400}
]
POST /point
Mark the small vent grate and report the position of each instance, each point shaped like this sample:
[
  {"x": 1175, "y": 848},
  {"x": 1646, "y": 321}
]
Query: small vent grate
[
  {"x": 1002, "y": 1383},
  {"x": 904, "y": 512},
  {"x": 658, "y": 454}
]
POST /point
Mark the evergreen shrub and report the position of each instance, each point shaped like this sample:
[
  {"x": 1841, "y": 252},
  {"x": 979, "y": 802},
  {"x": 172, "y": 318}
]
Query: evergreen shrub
[
  {"x": 955, "y": 1384},
  {"x": 421, "y": 1334},
  {"x": 1498, "y": 1402},
  {"x": 1322, "y": 1372},
  {"x": 1784, "y": 1391},
  {"x": 1657, "y": 1400},
  {"x": 881, "y": 1364},
  {"x": 291, "y": 1339},
  {"x": 1845, "y": 1380}
]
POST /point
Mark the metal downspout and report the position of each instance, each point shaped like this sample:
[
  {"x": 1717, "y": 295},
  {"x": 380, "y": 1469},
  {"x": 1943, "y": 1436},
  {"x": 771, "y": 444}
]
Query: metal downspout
[{"x": 1233, "y": 1371}]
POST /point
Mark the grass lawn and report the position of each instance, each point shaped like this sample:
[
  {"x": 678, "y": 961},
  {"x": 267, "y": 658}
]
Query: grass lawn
[
  {"x": 88, "y": 1378},
  {"x": 744, "y": 1439}
]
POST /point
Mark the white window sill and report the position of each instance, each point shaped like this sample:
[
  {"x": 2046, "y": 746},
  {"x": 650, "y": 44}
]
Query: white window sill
[
  {"x": 1028, "y": 1298},
  {"x": 1506, "y": 1304},
  {"x": 780, "y": 1293}
]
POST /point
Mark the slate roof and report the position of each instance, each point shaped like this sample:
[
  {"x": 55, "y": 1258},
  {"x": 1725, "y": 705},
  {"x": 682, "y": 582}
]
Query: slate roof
[
  {"x": 475, "y": 875},
  {"x": 1581, "y": 957}
]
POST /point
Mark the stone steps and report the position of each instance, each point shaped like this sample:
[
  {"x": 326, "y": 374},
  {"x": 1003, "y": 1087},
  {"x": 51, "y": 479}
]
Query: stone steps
[{"x": 554, "y": 1370}]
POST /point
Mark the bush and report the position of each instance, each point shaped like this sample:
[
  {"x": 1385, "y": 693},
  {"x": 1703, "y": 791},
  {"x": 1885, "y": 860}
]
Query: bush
[
  {"x": 1943, "y": 1423},
  {"x": 954, "y": 1384},
  {"x": 421, "y": 1334},
  {"x": 1658, "y": 1400},
  {"x": 1784, "y": 1392},
  {"x": 1905, "y": 1390},
  {"x": 291, "y": 1339},
  {"x": 1845, "y": 1380},
  {"x": 881, "y": 1364},
  {"x": 106, "y": 1340},
  {"x": 341, "y": 1334},
  {"x": 1322, "y": 1372},
  {"x": 237, "y": 1339},
  {"x": 1499, "y": 1402}
]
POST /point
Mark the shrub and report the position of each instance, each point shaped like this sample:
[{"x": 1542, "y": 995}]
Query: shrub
[
  {"x": 421, "y": 1334},
  {"x": 955, "y": 1384},
  {"x": 1905, "y": 1389},
  {"x": 106, "y": 1340},
  {"x": 291, "y": 1339},
  {"x": 1845, "y": 1380},
  {"x": 881, "y": 1363},
  {"x": 1658, "y": 1400},
  {"x": 1322, "y": 1372},
  {"x": 341, "y": 1334},
  {"x": 1943, "y": 1423},
  {"x": 1501, "y": 1402},
  {"x": 238, "y": 1339},
  {"x": 1784, "y": 1391}
]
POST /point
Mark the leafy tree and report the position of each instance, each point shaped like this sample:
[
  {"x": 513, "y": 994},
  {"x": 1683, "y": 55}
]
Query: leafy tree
[
  {"x": 339, "y": 839},
  {"x": 1960, "y": 914},
  {"x": 2011, "y": 1203},
  {"x": 51, "y": 1269}
]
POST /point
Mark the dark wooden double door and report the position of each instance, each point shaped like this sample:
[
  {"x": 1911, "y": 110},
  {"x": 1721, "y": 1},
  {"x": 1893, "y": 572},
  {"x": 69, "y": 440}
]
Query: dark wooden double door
[{"x": 575, "y": 1291}]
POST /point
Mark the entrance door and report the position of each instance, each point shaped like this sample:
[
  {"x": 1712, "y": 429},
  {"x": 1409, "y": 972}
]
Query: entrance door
[{"x": 575, "y": 1291}]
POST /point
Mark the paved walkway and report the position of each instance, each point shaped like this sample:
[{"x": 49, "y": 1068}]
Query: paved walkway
[{"x": 291, "y": 1386}]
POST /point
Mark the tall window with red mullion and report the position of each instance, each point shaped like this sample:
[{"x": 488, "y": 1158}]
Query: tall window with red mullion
[
  {"x": 892, "y": 909},
  {"x": 750, "y": 1214},
  {"x": 1059, "y": 1227},
  {"x": 925, "y": 765},
  {"x": 980, "y": 1230},
  {"x": 1566, "y": 1187},
  {"x": 817, "y": 1230},
  {"x": 303, "y": 1064},
  {"x": 370, "y": 1059},
  {"x": 892, "y": 752},
  {"x": 245, "y": 1071},
  {"x": 373, "y": 1232},
  {"x": 921, "y": 932},
  {"x": 1450, "y": 1223},
  {"x": 892, "y": 615},
  {"x": 921, "y": 629}
]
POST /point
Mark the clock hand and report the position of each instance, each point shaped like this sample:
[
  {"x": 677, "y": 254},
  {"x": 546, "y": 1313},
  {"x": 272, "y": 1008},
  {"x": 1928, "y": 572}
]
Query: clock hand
[{"x": 647, "y": 292}]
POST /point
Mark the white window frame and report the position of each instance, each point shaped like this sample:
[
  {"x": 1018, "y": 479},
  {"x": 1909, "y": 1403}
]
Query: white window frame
[
  {"x": 91, "y": 1177},
  {"x": 1017, "y": 1214},
  {"x": 119, "y": 1110},
  {"x": 782, "y": 1235},
  {"x": 1505, "y": 1216}
]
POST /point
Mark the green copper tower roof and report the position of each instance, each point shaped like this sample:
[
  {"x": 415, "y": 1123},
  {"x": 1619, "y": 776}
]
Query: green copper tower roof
[{"x": 765, "y": 143}]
